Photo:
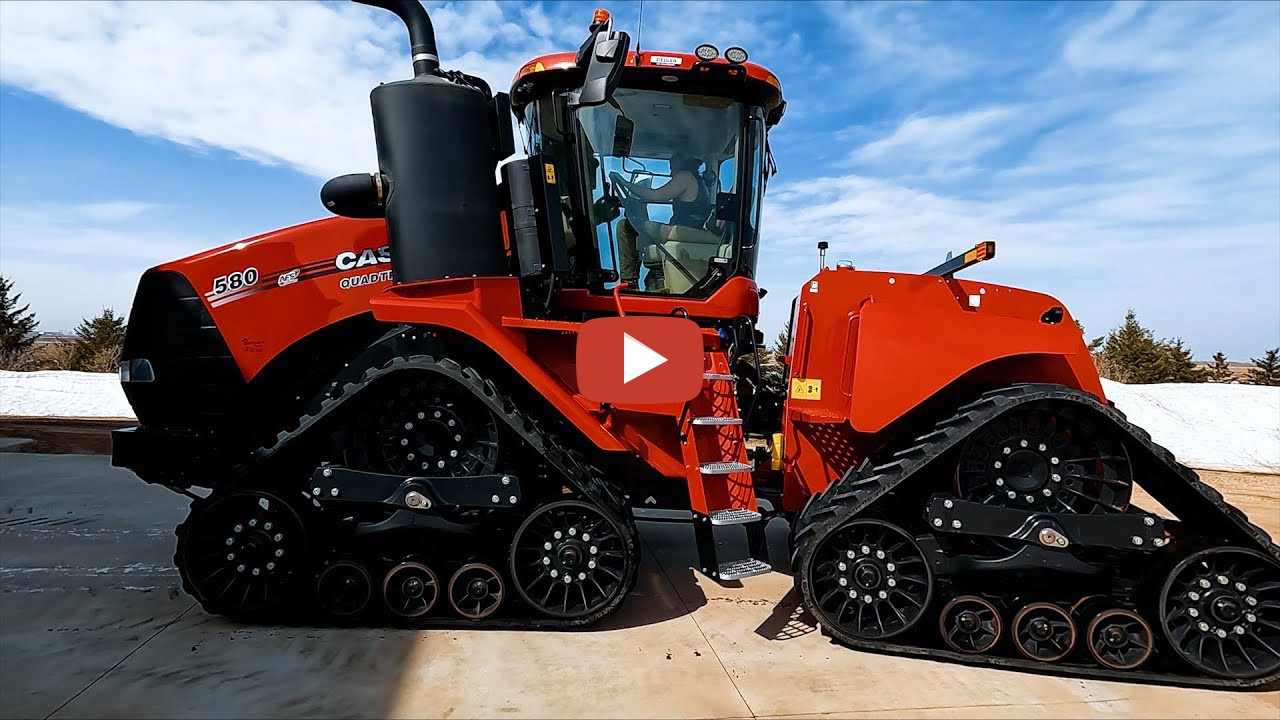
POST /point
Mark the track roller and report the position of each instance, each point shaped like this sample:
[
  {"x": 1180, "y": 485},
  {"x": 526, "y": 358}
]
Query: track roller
[
  {"x": 1044, "y": 632},
  {"x": 410, "y": 590},
  {"x": 970, "y": 624},
  {"x": 870, "y": 579},
  {"x": 343, "y": 589},
  {"x": 569, "y": 559},
  {"x": 1119, "y": 639},
  {"x": 476, "y": 591},
  {"x": 1220, "y": 610}
]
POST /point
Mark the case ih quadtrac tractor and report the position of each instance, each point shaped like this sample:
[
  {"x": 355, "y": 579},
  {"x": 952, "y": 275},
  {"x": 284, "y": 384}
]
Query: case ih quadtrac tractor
[{"x": 383, "y": 405}]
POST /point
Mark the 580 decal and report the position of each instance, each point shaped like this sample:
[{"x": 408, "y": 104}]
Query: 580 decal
[
  {"x": 244, "y": 283},
  {"x": 235, "y": 281}
]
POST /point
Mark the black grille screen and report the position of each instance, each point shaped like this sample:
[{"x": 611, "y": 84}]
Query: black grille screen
[{"x": 197, "y": 383}]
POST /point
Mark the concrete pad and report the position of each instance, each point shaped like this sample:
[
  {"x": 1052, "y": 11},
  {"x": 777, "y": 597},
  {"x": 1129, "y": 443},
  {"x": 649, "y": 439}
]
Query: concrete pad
[
  {"x": 783, "y": 667},
  {"x": 86, "y": 571},
  {"x": 91, "y": 617},
  {"x": 611, "y": 670}
]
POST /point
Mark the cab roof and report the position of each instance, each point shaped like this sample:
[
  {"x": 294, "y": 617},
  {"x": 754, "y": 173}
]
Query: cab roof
[{"x": 646, "y": 67}]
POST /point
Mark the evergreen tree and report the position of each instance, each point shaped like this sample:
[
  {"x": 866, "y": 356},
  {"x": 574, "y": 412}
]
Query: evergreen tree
[
  {"x": 1266, "y": 369},
  {"x": 98, "y": 341},
  {"x": 1132, "y": 354},
  {"x": 17, "y": 324},
  {"x": 1178, "y": 366},
  {"x": 1220, "y": 371}
]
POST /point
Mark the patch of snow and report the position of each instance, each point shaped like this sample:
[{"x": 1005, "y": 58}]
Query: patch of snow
[
  {"x": 1235, "y": 428},
  {"x": 1210, "y": 426},
  {"x": 62, "y": 393}
]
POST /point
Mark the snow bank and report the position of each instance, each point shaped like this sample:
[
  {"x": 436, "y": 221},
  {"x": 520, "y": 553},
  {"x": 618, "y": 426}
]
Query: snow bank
[
  {"x": 59, "y": 393},
  {"x": 1207, "y": 426}
]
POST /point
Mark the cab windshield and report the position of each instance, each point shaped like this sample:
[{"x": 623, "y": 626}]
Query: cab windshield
[{"x": 668, "y": 176}]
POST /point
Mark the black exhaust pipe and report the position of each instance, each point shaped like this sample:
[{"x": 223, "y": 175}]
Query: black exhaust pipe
[
  {"x": 422, "y": 36},
  {"x": 436, "y": 156}
]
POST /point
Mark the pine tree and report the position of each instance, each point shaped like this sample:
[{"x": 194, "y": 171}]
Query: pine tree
[
  {"x": 98, "y": 342},
  {"x": 17, "y": 324},
  {"x": 1132, "y": 355},
  {"x": 1178, "y": 366},
  {"x": 1220, "y": 371},
  {"x": 1266, "y": 370}
]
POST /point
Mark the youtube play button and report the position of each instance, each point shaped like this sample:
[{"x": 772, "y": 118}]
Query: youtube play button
[{"x": 640, "y": 360}]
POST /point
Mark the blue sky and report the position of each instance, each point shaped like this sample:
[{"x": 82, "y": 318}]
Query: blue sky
[{"x": 1121, "y": 155}]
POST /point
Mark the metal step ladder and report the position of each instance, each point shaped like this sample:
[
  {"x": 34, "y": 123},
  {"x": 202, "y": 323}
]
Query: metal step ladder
[{"x": 721, "y": 488}]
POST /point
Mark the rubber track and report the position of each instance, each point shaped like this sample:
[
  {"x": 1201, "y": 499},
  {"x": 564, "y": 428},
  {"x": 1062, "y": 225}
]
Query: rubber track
[
  {"x": 864, "y": 485},
  {"x": 582, "y": 477}
]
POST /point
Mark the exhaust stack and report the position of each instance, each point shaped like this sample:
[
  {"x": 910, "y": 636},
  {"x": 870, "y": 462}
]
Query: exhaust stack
[
  {"x": 422, "y": 36},
  {"x": 436, "y": 156}
]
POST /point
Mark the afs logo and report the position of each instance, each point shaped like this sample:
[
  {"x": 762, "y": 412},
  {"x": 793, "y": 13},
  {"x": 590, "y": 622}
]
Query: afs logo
[
  {"x": 288, "y": 278},
  {"x": 640, "y": 360}
]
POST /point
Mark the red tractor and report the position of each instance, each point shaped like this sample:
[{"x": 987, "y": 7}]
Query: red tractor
[{"x": 384, "y": 409}]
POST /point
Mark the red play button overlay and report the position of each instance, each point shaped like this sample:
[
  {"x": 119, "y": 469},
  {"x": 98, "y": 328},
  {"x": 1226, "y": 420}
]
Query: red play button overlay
[{"x": 644, "y": 360}]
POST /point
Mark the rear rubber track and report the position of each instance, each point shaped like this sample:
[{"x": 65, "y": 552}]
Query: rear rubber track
[
  {"x": 863, "y": 485},
  {"x": 584, "y": 479}
]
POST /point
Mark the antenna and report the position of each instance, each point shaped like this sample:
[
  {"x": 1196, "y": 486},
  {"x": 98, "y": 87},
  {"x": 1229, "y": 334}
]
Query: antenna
[
  {"x": 822, "y": 254},
  {"x": 639, "y": 29}
]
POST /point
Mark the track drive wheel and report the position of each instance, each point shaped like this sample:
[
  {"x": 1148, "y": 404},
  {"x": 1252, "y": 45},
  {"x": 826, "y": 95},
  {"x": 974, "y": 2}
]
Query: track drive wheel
[
  {"x": 241, "y": 554},
  {"x": 1120, "y": 639},
  {"x": 410, "y": 590},
  {"x": 426, "y": 425},
  {"x": 571, "y": 560},
  {"x": 869, "y": 579},
  {"x": 343, "y": 589},
  {"x": 1220, "y": 610},
  {"x": 1047, "y": 459},
  {"x": 970, "y": 624},
  {"x": 1044, "y": 632},
  {"x": 476, "y": 591}
]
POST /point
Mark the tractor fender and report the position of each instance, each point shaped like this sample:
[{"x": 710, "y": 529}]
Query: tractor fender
[
  {"x": 873, "y": 346},
  {"x": 476, "y": 307}
]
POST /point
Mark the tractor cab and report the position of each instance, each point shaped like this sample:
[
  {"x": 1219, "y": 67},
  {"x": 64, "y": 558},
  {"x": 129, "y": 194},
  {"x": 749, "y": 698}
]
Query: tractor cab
[{"x": 659, "y": 186}]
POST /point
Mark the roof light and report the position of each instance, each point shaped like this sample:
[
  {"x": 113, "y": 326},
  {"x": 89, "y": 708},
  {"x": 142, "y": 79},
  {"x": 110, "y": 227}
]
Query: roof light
[
  {"x": 600, "y": 16},
  {"x": 735, "y": 55},
  {"x": 706, "y": 52}
]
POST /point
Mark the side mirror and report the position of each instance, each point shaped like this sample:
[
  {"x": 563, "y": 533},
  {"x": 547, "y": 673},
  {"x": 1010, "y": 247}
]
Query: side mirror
[
  {"x": 624, "y": 131},
  {"x": 605, "y": 54}
]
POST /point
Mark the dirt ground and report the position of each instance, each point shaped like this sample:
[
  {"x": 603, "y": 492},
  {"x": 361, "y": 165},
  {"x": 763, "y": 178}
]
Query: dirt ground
[
  {"x": 82, "y": 436},
  {"x": 1257, "y": 495}
]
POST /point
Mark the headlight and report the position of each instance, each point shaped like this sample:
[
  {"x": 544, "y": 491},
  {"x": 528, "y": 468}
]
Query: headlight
[
  {"x": 706, "y": 52},
  {"x": 735, "y": 55}
]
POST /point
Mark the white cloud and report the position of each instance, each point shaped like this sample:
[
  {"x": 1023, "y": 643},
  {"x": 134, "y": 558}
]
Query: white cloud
[
  {"x": 938, "y": 144},
  {"x": 279, "y": 83},
  {"x": 1142, "y": 169},
  {"x": 897, "y": 35}
]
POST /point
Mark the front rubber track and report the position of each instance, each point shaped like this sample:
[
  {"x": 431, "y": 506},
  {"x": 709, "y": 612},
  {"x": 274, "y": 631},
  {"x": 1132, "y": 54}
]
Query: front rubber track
[{"x": 1173, "y": 485}]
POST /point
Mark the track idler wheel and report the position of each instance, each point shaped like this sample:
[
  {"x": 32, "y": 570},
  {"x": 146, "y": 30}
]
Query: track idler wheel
[
  {"x": 1119, "y": 639},
  {"x": 1220, "y": 611},
  {"x": 571, "y": 560},
  {"x": 476, "y": 591},
  {"x": 343, "y": 589},
  {"x": 410, "y": 590},
  {"x": 970, "y": 624},
  {"x": 1044, "y": 632},
  {"x": 870, "y": 579},
  {"x": 242, "y": 553}
]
